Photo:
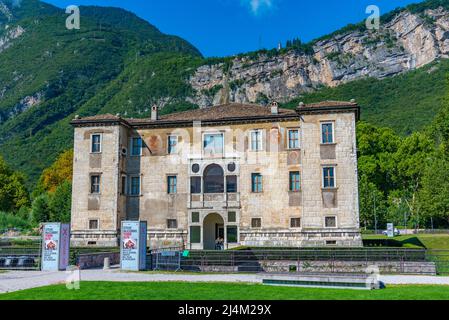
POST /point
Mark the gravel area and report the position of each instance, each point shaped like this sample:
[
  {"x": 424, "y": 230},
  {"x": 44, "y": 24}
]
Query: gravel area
[{"x": 20, "y": 280}]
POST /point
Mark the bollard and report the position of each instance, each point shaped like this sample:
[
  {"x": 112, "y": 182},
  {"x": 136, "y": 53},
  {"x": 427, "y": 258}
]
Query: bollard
[{"x": 106, "y": 264}]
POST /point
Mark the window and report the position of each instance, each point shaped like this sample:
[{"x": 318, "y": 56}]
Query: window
[
  {"x": 329, "y": 177},
  {"x": 256, "y": 140},
  {"x": 96, "y": 143},
  {"x": 195, "y": 185},
  {"x": 172, "y": 144},
  {"x": 93, "y": 224},
  {"x": 136, "y": 146},
  {"x": 256, "y": 223},
  {"x": 330, "y": 222},
  {"x": 295, "y": 184},
  {"x": 232, "y": 217},
  {"x": 172, "y": 224},
  {"x": 231, "y": 234},
  {"x": 95, "y": 184},
  {"x": 231, "y": 184},
  {"x": 293, "y": 139},
  {"x": 327, "y": 132},
  {"x": 295, "y": 223},
  {"x": 135, "y": 186},
  {"x": 195, "y": 234},
  {"x": 172, "y": 184},
  {"x": 213, "y": 179},
  {"x": 123, "y": 185},
  {"x": 213, "y": 143},
  {"x": 256, "y": 182},
  {"x": 195, "y": 217}
]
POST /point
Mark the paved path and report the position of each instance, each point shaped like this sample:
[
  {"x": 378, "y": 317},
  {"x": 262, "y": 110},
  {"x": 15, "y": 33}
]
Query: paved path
[{"x": 20, "y": 280}]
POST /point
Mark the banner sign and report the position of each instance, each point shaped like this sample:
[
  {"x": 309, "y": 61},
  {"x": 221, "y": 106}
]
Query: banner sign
[
  {"x": 55, "y": 246},
  {"x": 133, "y": 245},
  {"x": 390, "y": 230}
]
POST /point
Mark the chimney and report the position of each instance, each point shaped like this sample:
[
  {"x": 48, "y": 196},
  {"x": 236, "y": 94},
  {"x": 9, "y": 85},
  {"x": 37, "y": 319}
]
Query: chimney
[
  {"x": 154, "y": 113},
  {"x": 274, "y": 107}
]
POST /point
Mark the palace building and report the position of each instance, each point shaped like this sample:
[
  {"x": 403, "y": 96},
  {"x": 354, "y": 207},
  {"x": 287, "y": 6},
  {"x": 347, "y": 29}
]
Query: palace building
[{"x": 248, "y": 174}]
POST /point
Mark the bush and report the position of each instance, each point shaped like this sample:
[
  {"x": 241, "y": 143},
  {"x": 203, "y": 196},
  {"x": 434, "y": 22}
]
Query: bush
[{"x": 10, "y": 221}]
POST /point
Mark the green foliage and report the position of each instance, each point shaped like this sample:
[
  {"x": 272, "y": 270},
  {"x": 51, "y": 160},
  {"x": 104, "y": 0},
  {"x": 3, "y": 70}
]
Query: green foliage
[
  {"x": 60, "y": 203},
  {"x": 41, "y": 209},
  {"x": 11, "y": 221},
  {"x": 13, "y": 193}
]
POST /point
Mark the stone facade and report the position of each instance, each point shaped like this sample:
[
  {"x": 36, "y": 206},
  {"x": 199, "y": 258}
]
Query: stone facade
[{"x": 139, "y": 185}]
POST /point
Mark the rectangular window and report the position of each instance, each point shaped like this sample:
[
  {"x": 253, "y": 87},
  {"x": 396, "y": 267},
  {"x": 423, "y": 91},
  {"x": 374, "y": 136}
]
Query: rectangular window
[
  {"x": 95, "y": 184},
  {"x": 295, "y": 183},
  {"x": 256, "y": 140},
  {"x": 295, "y": 223},
  {"x": 327, "y": 132},
  {"x": 93, "y": 224},
  {"x": 256, "y": 182},
  {"x": 293, "y": 139},
  {"x": 329, "y": 177},
  {"x": 195, "y": 185},
  {"x": 213, "y": 143},
  {"x": 232, "y": 217},
  {"x": 96, "y": 143},
  {"x": 172, "y": 144},
  {"x": 172, "y": 184},
  {"x": 231, "y": 184},
  {"x": 330, "y": 222},
  {"x": 231, "y": 234},
  {"x": 195, "y": 234},
  {"x": 172, "y": 224},
  {"x": 135, "y": 186},
  {"x": 195, "y": 217},
  {"x": 123, "y": 185},
  {"x": 136, "y": 146},
  {"x": 256, "y": 223}
]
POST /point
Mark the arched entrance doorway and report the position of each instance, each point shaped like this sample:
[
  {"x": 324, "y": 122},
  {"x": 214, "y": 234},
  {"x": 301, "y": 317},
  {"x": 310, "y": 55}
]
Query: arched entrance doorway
[{"x": 213, "y": 228}]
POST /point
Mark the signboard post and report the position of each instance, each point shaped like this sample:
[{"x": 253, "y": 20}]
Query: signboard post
[
  {"x": 390, "y": 230},
  {"x": 133, "y": 246},
  {"x": 55, "y": 246}
]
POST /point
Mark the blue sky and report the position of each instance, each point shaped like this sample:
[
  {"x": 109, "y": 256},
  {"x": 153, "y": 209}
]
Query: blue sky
[{"x": 226, "y": 27}]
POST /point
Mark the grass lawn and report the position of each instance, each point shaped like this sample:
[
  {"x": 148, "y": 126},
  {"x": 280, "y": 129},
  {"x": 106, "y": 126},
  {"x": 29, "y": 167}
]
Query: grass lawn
[
  {"x": 220, "y": 291},
  {"x": 429, "y": 241}
]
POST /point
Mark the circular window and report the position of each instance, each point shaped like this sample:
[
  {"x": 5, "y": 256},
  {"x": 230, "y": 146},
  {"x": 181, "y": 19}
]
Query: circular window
[
  {"x": 231, "y": 167},
  {"x": 195, "y": 168}
]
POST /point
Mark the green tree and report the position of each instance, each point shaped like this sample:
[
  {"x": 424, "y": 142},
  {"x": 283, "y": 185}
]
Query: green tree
[
  {"x": 60, "y": 203},
  {"x": 40, "y": 209},
  {"x": 13, "y": 193},
  {"x": 434, "y": 195}
]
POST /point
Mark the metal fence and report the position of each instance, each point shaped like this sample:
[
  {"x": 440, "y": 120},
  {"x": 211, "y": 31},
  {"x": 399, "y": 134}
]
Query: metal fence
[
  {"x": 20, "y": 258},
  {"x": 337, "y": 260}
]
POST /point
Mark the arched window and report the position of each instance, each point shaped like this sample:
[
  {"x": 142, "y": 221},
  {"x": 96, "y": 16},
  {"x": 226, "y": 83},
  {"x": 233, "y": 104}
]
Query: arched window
[{"x": 213, "y": 179}]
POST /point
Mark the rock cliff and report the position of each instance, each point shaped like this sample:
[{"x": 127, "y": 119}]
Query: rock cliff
[{"x": 404, "y": 42}]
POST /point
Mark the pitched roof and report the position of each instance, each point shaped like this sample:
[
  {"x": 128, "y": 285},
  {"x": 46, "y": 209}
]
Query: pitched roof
[
  {"x": 329, "y": 104},
  {"x": 228, "y": 112},
  {"x": 219, "y": 113}
]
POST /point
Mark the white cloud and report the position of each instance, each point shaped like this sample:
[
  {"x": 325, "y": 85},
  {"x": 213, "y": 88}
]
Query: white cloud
[{"x": 258, "y": 6}]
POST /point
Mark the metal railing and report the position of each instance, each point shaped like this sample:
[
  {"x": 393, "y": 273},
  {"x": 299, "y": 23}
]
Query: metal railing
[
  {"x": 20, "y": 258},
  {"x": 337, "y": 260}
]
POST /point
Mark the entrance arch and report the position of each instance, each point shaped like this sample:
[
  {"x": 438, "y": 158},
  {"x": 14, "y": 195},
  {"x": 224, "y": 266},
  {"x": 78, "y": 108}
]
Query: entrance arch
[{"x": 213, "y": 227}]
